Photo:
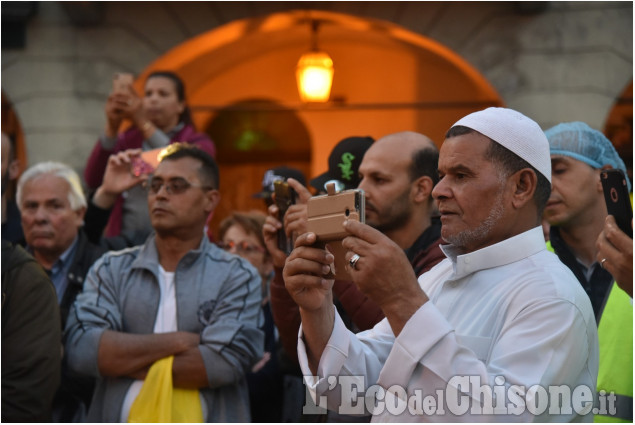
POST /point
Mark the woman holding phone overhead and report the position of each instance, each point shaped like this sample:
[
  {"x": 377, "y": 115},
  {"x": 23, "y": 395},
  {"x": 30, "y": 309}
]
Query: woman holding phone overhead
[{"x": 160, "y": 117}]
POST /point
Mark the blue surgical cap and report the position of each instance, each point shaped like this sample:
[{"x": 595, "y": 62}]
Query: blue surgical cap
[{"x": 579, "y": 141}]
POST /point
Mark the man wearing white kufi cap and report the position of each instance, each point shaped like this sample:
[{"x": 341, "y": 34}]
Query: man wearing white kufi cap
[{"x": 500, "y": 315}]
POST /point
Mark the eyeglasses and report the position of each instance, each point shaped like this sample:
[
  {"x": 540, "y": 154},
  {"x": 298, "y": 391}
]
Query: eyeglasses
[
  {"x": 174, "y": 186},
  {"x": 243, "y": 247}
]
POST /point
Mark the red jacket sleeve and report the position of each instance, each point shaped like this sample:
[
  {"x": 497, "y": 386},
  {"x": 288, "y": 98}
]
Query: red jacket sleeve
[
  {"x": 98, "y": 159},
  {"x": 286, "y": 315},
  {"x": 364, "y": 312},
  {"x": 132, "y": 139},
  {"x": 428, "y": 258},
  {"x": 201, "y": 140},
  {"x": 96, "y": 166}
]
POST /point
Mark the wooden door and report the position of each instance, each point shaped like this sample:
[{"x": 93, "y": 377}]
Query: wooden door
[{"x": 252, "y": 137}]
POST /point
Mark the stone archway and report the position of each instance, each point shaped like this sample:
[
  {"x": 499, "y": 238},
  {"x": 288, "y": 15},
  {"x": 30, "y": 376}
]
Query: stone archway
[
  {"x": 387, "y": 79},
  {"x": 251, "y": 137}
]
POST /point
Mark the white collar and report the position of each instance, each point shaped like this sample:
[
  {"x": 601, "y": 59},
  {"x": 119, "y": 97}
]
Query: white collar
[{"x": 505, "y": 252}]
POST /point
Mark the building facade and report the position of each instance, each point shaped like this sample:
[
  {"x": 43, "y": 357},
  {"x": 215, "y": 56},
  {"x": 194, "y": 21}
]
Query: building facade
[{"x": 398, "y": 66}]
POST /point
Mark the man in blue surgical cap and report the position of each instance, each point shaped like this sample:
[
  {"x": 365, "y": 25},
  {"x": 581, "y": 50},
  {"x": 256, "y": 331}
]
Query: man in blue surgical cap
[{"x": 577, "y": 213}]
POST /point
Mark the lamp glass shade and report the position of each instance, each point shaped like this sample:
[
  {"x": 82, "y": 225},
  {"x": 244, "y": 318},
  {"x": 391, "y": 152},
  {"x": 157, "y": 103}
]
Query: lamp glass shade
[{"x": 315, "y": 76}]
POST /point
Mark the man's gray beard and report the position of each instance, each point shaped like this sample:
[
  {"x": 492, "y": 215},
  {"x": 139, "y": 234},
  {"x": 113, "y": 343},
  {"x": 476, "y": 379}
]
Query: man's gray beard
[{"x": 468, "y": 237}]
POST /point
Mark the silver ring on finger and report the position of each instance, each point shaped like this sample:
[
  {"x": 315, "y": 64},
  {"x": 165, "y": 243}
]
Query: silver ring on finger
[
  {"x": 353, "y": 261},
  {"x": 602, "y": 262}
]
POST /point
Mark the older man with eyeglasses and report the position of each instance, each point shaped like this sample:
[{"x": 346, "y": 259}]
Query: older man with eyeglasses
[
  {"x": 52, "y": 207},
  {"x": 177, "y": 306}
]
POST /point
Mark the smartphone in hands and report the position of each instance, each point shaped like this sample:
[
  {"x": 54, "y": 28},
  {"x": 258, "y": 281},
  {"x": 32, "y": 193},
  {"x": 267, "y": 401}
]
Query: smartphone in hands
[
  {"x": 145, "y": 163},
  {"x": 617, "y": 198},
  {"x": 326, "y": 216},
  {"x": 327, "y": 213},
  {"x": 121, "y": 82},
  {"x": 284, "y": 197}
]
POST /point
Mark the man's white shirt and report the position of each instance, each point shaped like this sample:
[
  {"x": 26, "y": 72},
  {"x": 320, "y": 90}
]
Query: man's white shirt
[{"x": 510, "y": 316}]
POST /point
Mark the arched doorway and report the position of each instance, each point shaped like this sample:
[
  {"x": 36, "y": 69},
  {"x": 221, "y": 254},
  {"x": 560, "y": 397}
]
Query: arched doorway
[
  {"x": 251, "y": 137},
  {"x": 387, "y": 79}
]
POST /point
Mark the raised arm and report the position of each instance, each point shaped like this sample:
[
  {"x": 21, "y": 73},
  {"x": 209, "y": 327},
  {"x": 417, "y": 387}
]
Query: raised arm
[
  {"x": 119, "y": 176},
  {"x": 105, "y": 146},
  {"x": 615, "y": 254},
  {"x": 383, "y": 273},
  {"x": 286, "y": 313},
  {"x": 303, "y": 273}
]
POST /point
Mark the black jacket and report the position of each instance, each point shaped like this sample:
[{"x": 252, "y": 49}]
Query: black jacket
[
  {"x": 96, "y": 219},
  {"x": 31, "y": 340},
  {"x": 75, "y": 392},
  {"x": 86, "y": 254},
  {"x": 597, "y": 287}
]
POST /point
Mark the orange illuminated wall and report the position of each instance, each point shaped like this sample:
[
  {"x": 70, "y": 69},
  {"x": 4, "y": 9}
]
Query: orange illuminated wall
[{"x": 386, "y": 80}]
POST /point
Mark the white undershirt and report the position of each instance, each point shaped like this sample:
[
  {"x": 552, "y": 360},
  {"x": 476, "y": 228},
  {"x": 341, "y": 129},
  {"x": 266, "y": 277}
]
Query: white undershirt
[{"x": 164, "y": 322}]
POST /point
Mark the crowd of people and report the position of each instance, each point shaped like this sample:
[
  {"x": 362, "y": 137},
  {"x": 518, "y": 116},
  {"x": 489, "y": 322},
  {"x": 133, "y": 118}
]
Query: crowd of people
[{"x": 484, "y": 274}]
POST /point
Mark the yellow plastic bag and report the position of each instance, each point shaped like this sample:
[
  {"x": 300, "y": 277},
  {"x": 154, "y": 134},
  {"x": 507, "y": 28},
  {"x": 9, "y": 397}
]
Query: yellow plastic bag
[{"x": 158, "y": 401}]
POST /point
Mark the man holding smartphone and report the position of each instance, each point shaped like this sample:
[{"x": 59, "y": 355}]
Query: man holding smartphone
[
  {"x": 576, "y": 212},
  {"x": 177, "y": 302},
  {"x": 500, "y": 318},
  {"x": 397, "y": 173}
]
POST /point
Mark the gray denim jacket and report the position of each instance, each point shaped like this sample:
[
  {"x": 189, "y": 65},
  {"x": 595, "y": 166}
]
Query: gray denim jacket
[{"x": 217, "y": 294}]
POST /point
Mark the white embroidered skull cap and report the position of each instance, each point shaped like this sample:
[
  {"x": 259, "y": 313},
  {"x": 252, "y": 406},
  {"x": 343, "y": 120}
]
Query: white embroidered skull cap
[{"x": 515, "y": 131}]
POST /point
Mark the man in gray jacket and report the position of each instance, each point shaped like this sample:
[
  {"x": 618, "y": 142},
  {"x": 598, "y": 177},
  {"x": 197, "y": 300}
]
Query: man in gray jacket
[{"x": 176, "y": 296}]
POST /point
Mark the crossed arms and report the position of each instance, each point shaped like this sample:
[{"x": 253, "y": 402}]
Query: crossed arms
[
  {"x": 110, "y": 327},
  {"x": 124, "y": 354}
]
